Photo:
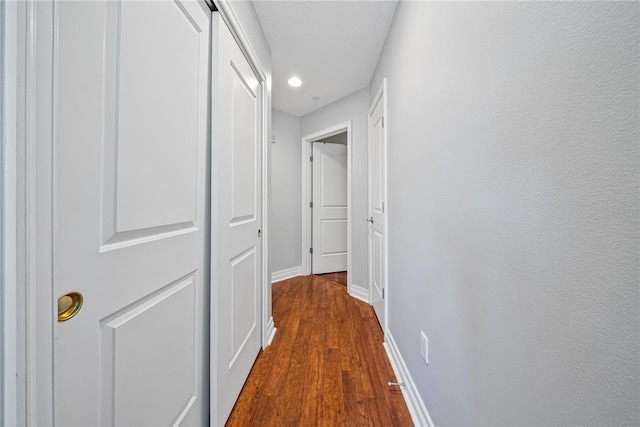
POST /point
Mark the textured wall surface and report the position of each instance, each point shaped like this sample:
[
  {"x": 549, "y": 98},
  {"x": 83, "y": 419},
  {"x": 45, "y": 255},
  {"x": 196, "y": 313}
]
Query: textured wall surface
[
  {"x": 285, "y": 192},
  {"x": 514, "y": 209},
  {"x": 353, "y": 107}
]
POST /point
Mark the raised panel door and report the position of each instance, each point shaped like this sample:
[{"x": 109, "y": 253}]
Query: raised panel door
[{"x": 130, "y": 229}]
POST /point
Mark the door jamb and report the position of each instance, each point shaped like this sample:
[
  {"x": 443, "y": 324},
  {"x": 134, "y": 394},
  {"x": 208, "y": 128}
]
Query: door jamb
[
  {"x": 307, "y": 192},
  {"x": 34, "y": 214},
  {"x": 8, "y": 210}
]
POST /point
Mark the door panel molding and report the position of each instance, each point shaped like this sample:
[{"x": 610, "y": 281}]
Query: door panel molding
[
  {"x": 239, "y": 332},
  {"x": 307, "y": 192},
  {"x": 128, "y": 197},
  {"x": 174, "y": 305}
]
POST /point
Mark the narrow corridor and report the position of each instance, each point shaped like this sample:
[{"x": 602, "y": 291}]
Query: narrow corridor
[{"x": 326, "y": 365}]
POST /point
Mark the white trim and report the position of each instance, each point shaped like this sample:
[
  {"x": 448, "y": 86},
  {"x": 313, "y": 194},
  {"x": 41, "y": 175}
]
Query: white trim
[
  {"x": 360, "y": 293},
  {"x": 8, "y": 220},
  {"x": 35, "y": 275},
  {"x": 271, "y": 330},
  {"x": 382, "y": 93},
  {"x": 285, "y": 274},
  {"x": 307, "y": 191},
  {"x": 225, "y": 8},
  {"x": 418, "y": 411}
]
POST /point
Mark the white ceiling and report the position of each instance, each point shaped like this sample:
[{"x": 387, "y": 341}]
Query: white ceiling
[{"x": 333, "y": 46}]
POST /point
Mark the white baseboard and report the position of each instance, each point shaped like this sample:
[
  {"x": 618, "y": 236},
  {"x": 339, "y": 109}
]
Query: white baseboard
[
  {"x": 360, "y": 293},
  {"x": 271, "y": 331},
  {"x": 418, "y": 411},
  {"x": 277, "y": 276}
]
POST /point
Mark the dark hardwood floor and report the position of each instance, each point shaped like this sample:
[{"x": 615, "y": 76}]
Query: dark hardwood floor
[{"x": 325, "y": 367}]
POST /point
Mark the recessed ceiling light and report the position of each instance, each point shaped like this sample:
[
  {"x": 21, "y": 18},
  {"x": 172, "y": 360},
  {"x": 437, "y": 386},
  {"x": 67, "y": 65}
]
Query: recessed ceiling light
[
  {"x": 315, "y": 98},
  {"x": 295, "y": 82}
]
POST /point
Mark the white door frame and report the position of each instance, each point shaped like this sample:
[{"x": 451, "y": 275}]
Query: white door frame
[
  {"x": 8, "y": 203},
  {"x": 307, "y": 193},
  {"x": 381, "y": 95},
  {"x": 34, "y": 196},
  {"x": 35, "y": 284}
]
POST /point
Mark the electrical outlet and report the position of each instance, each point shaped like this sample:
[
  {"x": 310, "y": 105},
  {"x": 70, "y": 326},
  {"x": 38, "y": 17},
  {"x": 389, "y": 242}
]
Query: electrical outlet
[{"x": 424, "y": 347}]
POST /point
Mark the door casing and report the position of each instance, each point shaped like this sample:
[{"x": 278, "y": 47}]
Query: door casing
[
  {"x": 8, "y": 243},
  {"x": 307, "y": 193},
  {"x": 35, "y": 298}
]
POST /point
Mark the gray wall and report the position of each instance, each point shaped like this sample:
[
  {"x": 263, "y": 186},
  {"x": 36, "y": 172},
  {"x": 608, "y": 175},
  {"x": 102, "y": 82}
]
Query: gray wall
[
  {"x": 514, "y": 209},
  {"x": 285, "y": 192},
  {"x": 353, "y": 107}
]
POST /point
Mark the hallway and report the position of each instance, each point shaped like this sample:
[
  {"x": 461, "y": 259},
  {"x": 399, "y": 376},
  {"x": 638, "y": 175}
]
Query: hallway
[{"x": 326, "y": 365}]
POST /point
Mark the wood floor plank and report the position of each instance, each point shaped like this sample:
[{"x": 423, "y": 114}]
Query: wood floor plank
[
  {"x": 371, "y": 385},
  {"x": 378, "y": 412},
  {"x": 251, "y": 394},
  {"x": 267, "y": 412},
  {"x": 311, "y": 406},
  {"x": 348, "y": 355},
  {"x": 289, "y": 411},
  {"x": 278, "y": 374},
  {"x": 333, "y": 396},
  {"x": 325, "y": 367},
  {"x": 355, "y": 405},
  {"x": 398, "y": 418},
  {"x": 311, "y": 412},
  {"x": 332, "y": 339}
]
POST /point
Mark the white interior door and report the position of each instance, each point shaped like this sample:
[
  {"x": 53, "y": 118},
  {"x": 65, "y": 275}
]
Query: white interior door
[
  {"x": 130, "y": 219},
  {"x": 236, "y": 221},
  {"x": 377, "y": 209},
  {"x": 329, "y": 233}
]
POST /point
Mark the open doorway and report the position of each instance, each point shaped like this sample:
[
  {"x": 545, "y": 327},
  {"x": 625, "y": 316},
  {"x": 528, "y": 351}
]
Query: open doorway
[{"x": 326, "y": 203}]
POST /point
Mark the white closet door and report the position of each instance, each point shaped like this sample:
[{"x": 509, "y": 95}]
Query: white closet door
[
  {"x": 130, "y": 161},
  {"x": 236, "y": 203}
]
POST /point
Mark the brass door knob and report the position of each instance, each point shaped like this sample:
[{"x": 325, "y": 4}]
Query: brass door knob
[{"x": 69, "y": 305}]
